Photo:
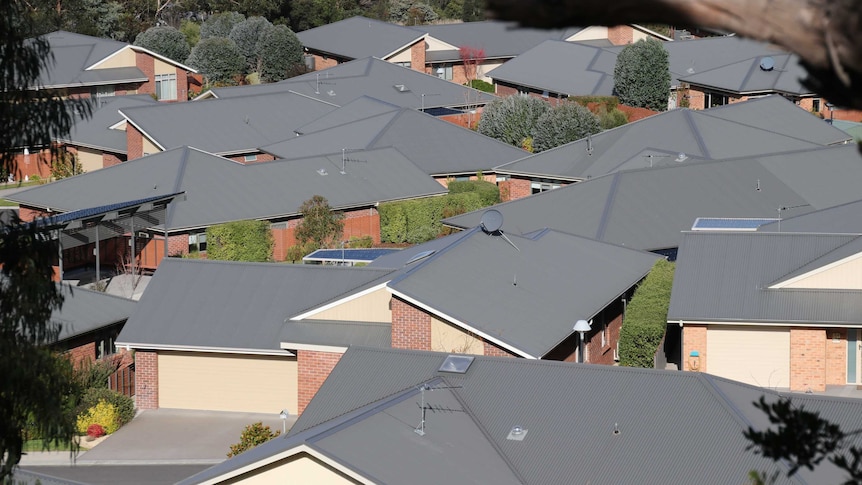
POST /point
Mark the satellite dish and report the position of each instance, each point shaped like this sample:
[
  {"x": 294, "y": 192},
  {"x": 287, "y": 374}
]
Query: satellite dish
[
  {"x": 681, "y": 157},
  {"x": 491, "y": 221},
  {"x": 767, "y": 63}
]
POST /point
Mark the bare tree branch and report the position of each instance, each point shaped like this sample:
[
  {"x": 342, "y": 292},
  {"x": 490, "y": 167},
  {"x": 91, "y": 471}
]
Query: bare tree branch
[{"x": 822, "y": 32}]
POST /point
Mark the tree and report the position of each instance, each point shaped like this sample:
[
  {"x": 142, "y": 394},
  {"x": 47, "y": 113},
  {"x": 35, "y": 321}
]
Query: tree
[
  {"x": 240, "y": 241},
  {"x": 472, "y": 58},
  {"x": 646, "y": 317},
  {"x": 220, "y": 24},
  {"x": 218, "y": 59},
  {"x": 248, "y": 36},
  {"x": 281, "y": 54},
  {"x": 563, "y": 124},
  {"x": 36, "y": 385},
  {"x": 191, "y": 31},
  {"x": 166, "y": 41},
  {"x": 253, "y": 435},
  {"x": 511, "y": 119},
  {"x": 320, "y": 225},
  {"x": 642, "y": 75},
  {"x": 474, "y": 11},
  {"x": 411, "y": 12}
]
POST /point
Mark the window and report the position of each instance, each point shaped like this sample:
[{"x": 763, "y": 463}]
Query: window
[
  {"x": 197, "y": 242},
  {"x": 250, "y": 158},
  {"x": 103, "y": 91},
  {"x": 166, "y": 87},
  {"x": 604, "y": 335},
  {"x": 538, "y": 187},
  {"x": 444, "y": 71},
  {"x": 815, "y": 105},
  {"x": 713, "y": 99}
]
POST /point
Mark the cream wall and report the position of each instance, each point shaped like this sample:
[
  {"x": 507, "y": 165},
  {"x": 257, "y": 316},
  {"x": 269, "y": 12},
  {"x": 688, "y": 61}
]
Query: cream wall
[
  {"x": 486, "y": 68},
  {"x": 298, "y": 469},
  {"x": 227, "y": 382},
  {"x": 590, "y": 33},
  {"x": 373, "y": 307},
  {"x": 90, "y": 159},
  {"x": 845, "y": 276},
  {"x": 433, "y": 44},
  {"x": 162, "y": 67},
  {"x": 150, "y": 147},
  {"x": 449, "y": 338},
  {"x": 754, "y": 355},
  {"x": 403, "y": 56},
  {"x": 125, "y": 58}
]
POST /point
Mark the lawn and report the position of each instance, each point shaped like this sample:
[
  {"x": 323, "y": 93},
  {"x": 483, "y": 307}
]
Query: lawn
[
  {"x": 7, "y": 203},
  {"x": 36, "y": 445}
]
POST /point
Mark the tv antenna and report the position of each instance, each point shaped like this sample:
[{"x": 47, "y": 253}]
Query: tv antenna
[
  {"x": 345, "y": 158},
  {"x": 782, "y": 209},
  {"x": 492, "y": 223},
  {"x": 423, "y": 98},
  {"x": 318, "y": 83},
  {"x": 420, "y": 430}
]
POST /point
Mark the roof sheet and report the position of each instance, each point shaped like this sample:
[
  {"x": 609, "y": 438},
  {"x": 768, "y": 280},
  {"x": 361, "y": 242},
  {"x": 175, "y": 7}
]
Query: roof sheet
[
  {"x": 95, "y": 132},
  {"x": 497, "y": 39},
  {"x": 358, "y": 37},
  {"x": 648, "y": 208},
  {"x": 555, "y": 275},
  {"x": 219, "y": 190},
  {"x": 241, "y": 306},
  {"x": 336, "y": 333},
  {"x": 84, "y": 311},
  {"x": 747, "y": 76},
  {"x": 727, "y": 277}
]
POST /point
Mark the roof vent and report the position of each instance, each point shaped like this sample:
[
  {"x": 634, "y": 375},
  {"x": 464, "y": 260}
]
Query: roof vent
[
  {"x": 767, "y": 63},
  {"x": 456, "y": 364},
  {"x": 681, "y": 157},
  {"x": 322, "y": 172},
  {"x": 401, "y": 88},
  {"x": 517, "y": 434}
]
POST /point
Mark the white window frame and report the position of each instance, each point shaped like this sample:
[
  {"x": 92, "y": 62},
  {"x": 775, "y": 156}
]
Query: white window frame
[{"x": 166, "y": 87}]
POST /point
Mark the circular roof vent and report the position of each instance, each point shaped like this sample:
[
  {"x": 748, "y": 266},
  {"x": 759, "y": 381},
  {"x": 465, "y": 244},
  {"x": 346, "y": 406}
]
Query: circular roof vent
[{"x": 767, "y": 63}]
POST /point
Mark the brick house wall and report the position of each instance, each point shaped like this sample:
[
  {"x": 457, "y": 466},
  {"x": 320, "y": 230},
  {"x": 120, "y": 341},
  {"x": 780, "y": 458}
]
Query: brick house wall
[
  {"x": 417, "y": 56},
  {"x": 134, "y": 142},
  {"x": 82, "y": 353},
  {"x": 146, "y": 379},
  {"x": 313, "y": 368},
  {"x": 515, "y": 188},
  {"x": 807, "y": 359},
  {"x": 259, "y": 157},
  {"x": 33, "y": 163},
  {"x": 147, "y": 64},
  {"x": 694, "y": 339},
  {"x": 29, "y": 214},
  {"x": 322, "y": 62},
  {"x": 621, "y": 34},
  {"x": 357, "y": 223},
  {"x": 411, "y": 326},
  {"x": 495, "y": 351},
  {"x": 111, "y": 159}
]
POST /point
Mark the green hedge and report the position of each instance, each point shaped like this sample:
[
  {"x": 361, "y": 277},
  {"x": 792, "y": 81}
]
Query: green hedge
[
  {"x": 482, "y": 86},
  {"x": 417, "y": 221},
  {"x": 646, "y": 317}
]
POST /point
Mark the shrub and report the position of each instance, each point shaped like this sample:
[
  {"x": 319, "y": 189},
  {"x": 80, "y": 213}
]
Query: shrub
[
  {"x": 102, "y": 413},
  {"x": 220, "y": 24},
  {"x": 165, "y": 40},
  {"x": 361, "y": 242},
  {"x": 611, "y": 118},
  {"x": 95, "y": 374},
  {"x": 240, "y": 241},
  {"x": 511, "y": 119},
  {"x": 563, "y": 124},
  {"x": 218, "y": 59},
  {"x": 646, "y": 317},
  {"x": 124, "y": 406},
  {"x": 95, "y": 430},
  {"x": 280, "y": 54},
  {"x": 489, "y": 193},
  {"x": 642, "y": 75},
  {"x": 253, "y": 435}
]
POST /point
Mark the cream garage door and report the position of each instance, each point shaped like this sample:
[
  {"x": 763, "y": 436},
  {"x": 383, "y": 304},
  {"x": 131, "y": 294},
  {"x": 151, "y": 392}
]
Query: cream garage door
[
  {"x": 758, "y": 356},
  {"x": 227, "y": 382}
]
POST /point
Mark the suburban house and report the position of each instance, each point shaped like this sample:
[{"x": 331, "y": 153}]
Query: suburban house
[
  {"x": 424, "y": 299},
  {"x": 218, "y": 190},
  {"x": 440, "y": 149},
  {"x": 648, "y": 208},
  {"x": 396, "y": 416},
  {"x": 772, "y": 309},
  {"x": 92, "y": 67},
  {"x": 682, "y": 136}
]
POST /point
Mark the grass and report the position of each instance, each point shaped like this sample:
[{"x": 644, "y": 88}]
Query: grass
[
  {"x": 37, "y": 445},
  {"x": 16, "y": 185},
  {"x": 7, "y": 203}
]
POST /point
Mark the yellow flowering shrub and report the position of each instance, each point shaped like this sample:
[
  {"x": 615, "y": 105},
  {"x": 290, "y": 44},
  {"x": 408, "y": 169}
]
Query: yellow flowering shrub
[{"x": 103, "y": 414}]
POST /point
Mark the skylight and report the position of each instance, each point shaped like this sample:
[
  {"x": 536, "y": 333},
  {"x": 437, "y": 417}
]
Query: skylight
[{"x": 456, "y": 364}]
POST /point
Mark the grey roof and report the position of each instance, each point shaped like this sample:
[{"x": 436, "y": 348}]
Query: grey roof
[
  {"x": 226, "y": 126},
  {"x": 436, "y": 146},
  {"x": 358, "y": 37},
  {"x": 337, "y": 333},
  {"x": 852, "y": 128},
  {"x": 726, "y": 277},
  {"x": 371, "y": 77},
  {"x": 84, "y": 311},
  {"x": 408, "y": 255},
  {"x": 648, "y": 208},
  {"x": 765, "y": 125},
  {"x": 531, "y": 293},
  {"x": 95, "y": 132},
  {"x": 843, "y": 218},
  {"x": 691, "y": 57},
  {"x": 241, "y": 306},
  {"x": 497, "y": 39},
  {"x": 747, "y": 76},
  {"x": 364, "y": 414},
  {"x": 219, "y": 190},
  {"x": 577, "y": 70},
  {"x": 75, "y": 53}
]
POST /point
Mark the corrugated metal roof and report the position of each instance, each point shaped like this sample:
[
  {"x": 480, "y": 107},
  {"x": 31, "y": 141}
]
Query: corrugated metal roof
[
  {"x": 229, "y": 305},
  {"x": 648, "y": 208},
  {"x": 357, "y": 37},
  {"x": 437, "y": 147},
  {"x": 95, "y": 132},
  {"x": 747, "y": 76},
  {"x": 530, "y": 293},
  {"x": 86, "y": 310},
  {"x": 727, "y": 277},
  {"x": 497, "y": 39},
  {"x": 219, "y": 190},
  {"x": 337, "y": 333}
]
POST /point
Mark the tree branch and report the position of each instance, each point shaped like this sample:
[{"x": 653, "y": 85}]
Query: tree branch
[{"x": 822, "y": 32}]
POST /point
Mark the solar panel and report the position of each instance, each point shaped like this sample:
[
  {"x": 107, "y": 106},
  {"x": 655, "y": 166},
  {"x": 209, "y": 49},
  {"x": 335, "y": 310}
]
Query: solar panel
[
  {"x": 729, "y": 224},
  {"x": 359, "y": 255}
]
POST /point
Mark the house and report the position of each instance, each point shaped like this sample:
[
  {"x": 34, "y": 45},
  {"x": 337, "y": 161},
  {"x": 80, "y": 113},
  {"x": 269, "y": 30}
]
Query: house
[
  {"x": 772, "y": 309},
  {"x": 218, "y": 190},
  {"x": 206, "y": 334},
  {"x": 683, "y": 136},
  {"x": 396, "y": 416},
  {"x": 648, "y": 208},
  {"x": 440, "y": 149}
]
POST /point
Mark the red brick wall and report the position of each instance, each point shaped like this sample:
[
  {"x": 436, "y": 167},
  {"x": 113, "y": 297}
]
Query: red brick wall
[
  {"x": 260, "y": 157},
  {"x": 147, "y": 64},
  {"x": 321, "y": 62},
  {"x": 134, "y": 142},
  {"x": 836, "y": 357},
  {"x": 621, "y": 34},
  {"x": 357, "y": 222},
  {"x": 29, "y": 214},
  {"x": 312, "y": 369},
  {"x": 417, "y": 56},
  {"x": 596, "y": 352},
  {"x": 110, "y": 159},
  {"x": 515, "y": 188},
  {"x": 182, "y": 85},
  {"x": 807, "y": 359},
  {"x": 34, "y": 163},
  {"x": 495, "y": 351},
  {"x": 694, "y": 338},
  {"x": 178, "y": 244},
  {"x": 83, "y": 353},
  {"x": 146, "y": 379},
  {"x": 503, "y": 90},
  {"x": 411, "y": 326}
]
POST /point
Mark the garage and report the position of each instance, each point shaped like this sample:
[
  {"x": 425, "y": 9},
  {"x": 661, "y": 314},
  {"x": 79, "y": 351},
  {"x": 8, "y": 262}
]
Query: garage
[
  {"x": 754, "y": 355},
  {"x": 227, "y": 382}
]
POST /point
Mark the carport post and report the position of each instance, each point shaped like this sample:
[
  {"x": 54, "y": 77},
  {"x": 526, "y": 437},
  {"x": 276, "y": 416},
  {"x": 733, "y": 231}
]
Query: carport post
[
  {"x": 60, "y": 253},
  {"x": 96, "y": 252}
]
